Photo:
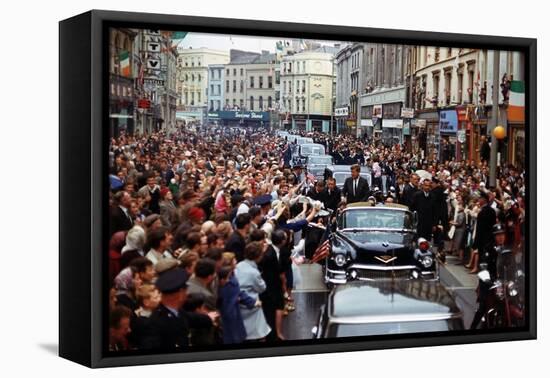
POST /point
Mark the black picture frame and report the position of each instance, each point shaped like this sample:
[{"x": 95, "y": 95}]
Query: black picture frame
[{"x": 83, "y": 102}]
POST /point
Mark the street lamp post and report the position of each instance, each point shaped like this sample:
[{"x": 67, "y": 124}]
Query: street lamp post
[{"x": 494, "y": 120}]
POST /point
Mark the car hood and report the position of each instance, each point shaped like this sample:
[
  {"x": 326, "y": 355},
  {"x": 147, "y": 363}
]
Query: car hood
[{"x": 366, "y": 246}]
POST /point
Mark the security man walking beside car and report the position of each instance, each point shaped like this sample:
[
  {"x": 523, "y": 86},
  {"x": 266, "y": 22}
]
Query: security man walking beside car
[{"x": 356, "y": 188}]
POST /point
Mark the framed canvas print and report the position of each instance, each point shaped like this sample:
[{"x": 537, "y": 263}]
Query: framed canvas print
[{"x": 236, "y": 188}]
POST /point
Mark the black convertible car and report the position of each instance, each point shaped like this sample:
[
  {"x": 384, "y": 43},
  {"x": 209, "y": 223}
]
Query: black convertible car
[{"x": 377, "y": 242}]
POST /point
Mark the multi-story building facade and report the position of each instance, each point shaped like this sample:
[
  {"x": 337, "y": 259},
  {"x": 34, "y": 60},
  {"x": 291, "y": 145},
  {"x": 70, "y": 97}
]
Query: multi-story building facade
[
  {"x": 454, "y": 103},
  {"x": 193, "y": 80},
  {"x": 382, "y": 91},
  {"x": 216, "y": 75},
  {"x": 307, "y": 80},
  {"x": 121, "y": 79}
]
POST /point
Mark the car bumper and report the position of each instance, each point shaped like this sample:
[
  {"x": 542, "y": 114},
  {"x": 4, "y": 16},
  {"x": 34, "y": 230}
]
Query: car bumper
[{"x": 375, "y": 273}]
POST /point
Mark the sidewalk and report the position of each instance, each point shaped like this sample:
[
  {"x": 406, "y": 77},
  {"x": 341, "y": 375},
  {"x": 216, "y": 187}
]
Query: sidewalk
[{"x": 457, "y": 275}]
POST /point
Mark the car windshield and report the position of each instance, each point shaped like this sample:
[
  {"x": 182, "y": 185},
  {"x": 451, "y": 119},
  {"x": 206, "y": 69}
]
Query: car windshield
[
  {"x": 312, "y": 150},
  {"x": 327, "y": 160},
  {"x": 392, "y": 328},
  {"x": 377, "y": 218}
]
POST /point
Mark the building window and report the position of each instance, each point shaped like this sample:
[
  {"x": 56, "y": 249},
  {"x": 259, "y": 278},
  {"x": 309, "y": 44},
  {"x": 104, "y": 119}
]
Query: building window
[
  {"x": 435, "y": 90},
  {"x": 227, "y": 72},
  {"x": 198, "y": 97},
  {"x": 186, "y": 63},
  {"x": 193, "y": 78},
  {"x": 448, "y": 88},
  {"x": 297, "y": 104},
  {"x": 227, "y": 86},
  {"x": 199, "y": 78},
  {"x": 192, "y": 98},
  {"x": 234, "y": 86},
  {"x": 234, "y": 72},
  {"x": 186, "y": 77},
  {"x": 297, "y": 86},
  {"x": 261, "y": 103},
  {"x": 234, "y": 103},
  {"x": 269, "y": 102},
  {"x": 199, "y": 63},
  {"x": 241, "y": 86},
  {"x": 460, "y": 86},
  {"x": 304, "y": 105},
  {"x": 242, "y": 71},
  {"x": 251, "y": 103},
  {"x": 303, "y": 86},
  {"x": 261, "y": 81},
  {"x": 284, "y": 86},
  {"x": 186, "y": 96},
  {"x": 251, "y": 81},
  {"x": 270, "y": 82},
  {"x": 242, "y": 104},
  {"x": 212, "y": 93},
  {"x": 289, "y": 67},
  {"x": 277, "y": 77}
]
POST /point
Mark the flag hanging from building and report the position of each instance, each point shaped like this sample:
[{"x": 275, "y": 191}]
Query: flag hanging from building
[
  {"x": 124, "y": 59},
  {"x": 516, "y": 104},
  {"x": 179, "y": 35}
]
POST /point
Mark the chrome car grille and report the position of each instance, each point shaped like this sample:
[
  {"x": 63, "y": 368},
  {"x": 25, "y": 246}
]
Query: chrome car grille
[{"x": 371, "y": 274}]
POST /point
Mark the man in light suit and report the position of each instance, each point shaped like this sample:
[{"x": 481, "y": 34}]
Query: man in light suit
[{"x": 356, "y": 188}]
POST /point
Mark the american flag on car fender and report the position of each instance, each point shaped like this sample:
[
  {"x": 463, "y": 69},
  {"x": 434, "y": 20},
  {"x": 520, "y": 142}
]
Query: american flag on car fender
[{"x": 324, "y": 247}]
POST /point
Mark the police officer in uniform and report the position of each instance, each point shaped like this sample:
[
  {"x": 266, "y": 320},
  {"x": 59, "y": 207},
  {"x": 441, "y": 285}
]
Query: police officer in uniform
[
  {"x": 489, "y": 257},
  {"x": 170, "y": 324}
]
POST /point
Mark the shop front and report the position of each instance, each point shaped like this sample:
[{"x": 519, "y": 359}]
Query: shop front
[
  {"x": 430, "y": 148},
  {"x": 239, "y": 119},
  {"x": 121, "y": 105},
  {"x": 448, "y": 127}
]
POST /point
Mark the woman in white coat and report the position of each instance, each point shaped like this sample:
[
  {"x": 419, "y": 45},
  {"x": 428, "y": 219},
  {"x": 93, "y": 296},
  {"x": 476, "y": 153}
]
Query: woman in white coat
[{"x": 252, "y": 283}]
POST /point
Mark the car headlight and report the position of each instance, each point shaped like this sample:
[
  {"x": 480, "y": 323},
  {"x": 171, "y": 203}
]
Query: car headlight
[
  {"x": 340, "y": 260},
  {"x": 427, "y": 261},
  {"x": 512, "y": 289}
]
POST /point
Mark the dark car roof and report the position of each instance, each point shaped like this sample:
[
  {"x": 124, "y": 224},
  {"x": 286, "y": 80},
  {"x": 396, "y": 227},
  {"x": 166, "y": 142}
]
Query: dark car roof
[{"x": 363, "y": 302}]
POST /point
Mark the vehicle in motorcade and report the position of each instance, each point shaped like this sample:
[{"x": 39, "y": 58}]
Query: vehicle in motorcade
[
  {"x": 341, "y": 172},
  {"x": 300, "y": 152},
  {"x": 317, "y": 165},
  {"x": 376, "y": 242},
  {"x": 388, "y": 308}
]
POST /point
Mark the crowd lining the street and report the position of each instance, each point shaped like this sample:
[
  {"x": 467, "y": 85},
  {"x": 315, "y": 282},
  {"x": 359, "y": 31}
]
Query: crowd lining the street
[{"x": 208, "y": 226}]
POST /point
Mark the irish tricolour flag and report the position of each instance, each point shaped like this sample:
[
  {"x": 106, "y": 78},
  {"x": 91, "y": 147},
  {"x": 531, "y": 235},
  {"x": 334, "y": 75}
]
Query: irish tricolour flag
[
  {"x": 124, "y": 63},
  {"x": 516, "y": 103}
]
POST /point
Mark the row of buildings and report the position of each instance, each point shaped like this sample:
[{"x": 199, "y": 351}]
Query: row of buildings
[
  {"x": 143, "y": 81},
  {"x": 291, "y": 88},
  {"x": 433, "y": 99}
]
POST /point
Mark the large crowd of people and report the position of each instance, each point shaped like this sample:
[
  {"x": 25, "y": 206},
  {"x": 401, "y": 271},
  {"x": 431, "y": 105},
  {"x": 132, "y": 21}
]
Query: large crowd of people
[{"x": 208, "y": 226}]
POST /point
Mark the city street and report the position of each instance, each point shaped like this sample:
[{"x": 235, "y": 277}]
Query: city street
[{"x": 311, "y": 293}]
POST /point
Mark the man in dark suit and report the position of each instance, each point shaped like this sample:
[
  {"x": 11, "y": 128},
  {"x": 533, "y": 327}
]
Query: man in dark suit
[
  {"x": 317, "y": 192},
  {"x": 356, "y": 188},
  {"x": 237, "y": 241},
  {"x": 423, "y": 203},
  {"x": 121, "y": 220},
  {"x": 272, "y": 298},
  {"x": 486, "y": 219},
  {"x": 409, "y": 190},
  {"x": 332, "y": 195}
]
